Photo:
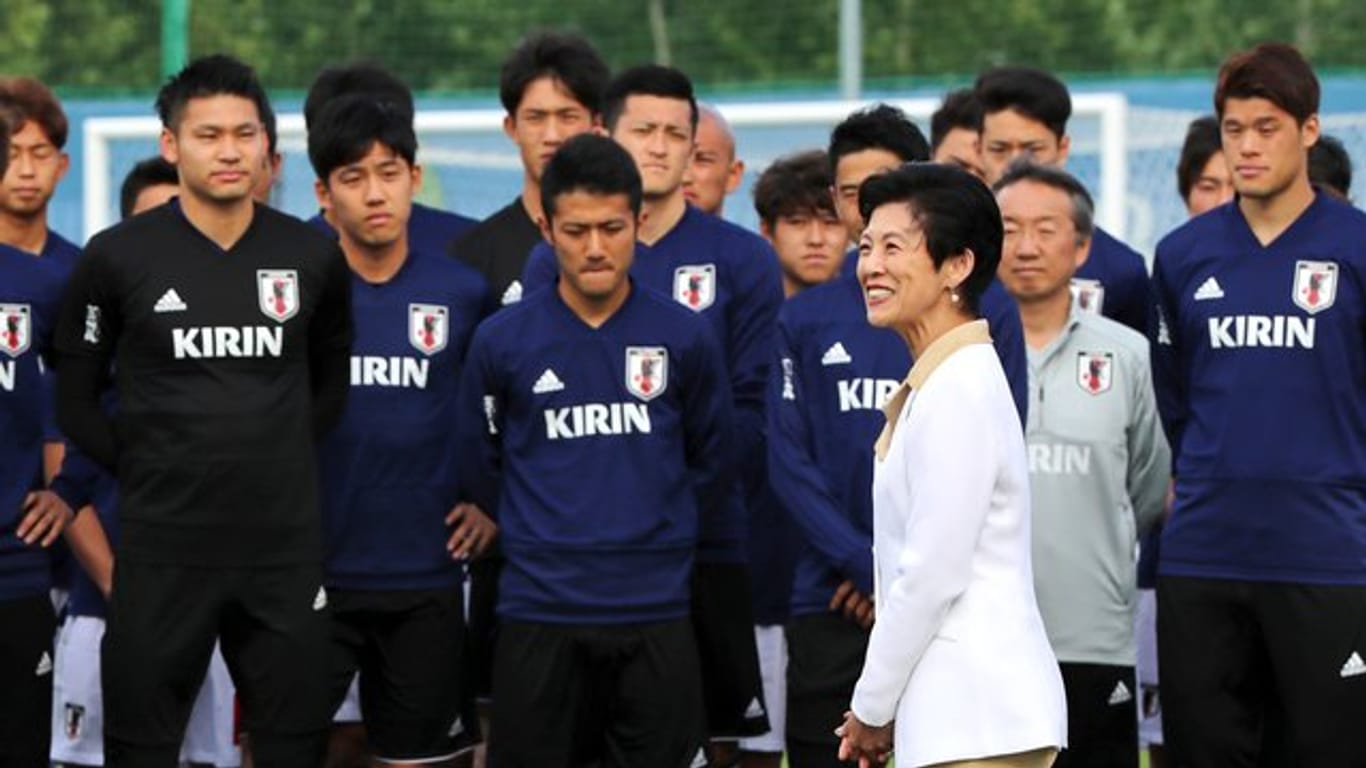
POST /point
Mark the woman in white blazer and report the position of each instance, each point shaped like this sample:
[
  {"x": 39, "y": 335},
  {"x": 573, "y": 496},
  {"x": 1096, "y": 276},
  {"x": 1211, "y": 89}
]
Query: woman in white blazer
[{"x": 959, "y": 670}]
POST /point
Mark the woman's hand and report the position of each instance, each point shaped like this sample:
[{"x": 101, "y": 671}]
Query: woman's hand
[{"x": 871, "y": 746}]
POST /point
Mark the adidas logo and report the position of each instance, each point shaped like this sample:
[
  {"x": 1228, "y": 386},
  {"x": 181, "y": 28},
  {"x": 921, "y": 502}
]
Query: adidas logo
[
  {"x": 513, "y": 294},
  {"x": 755, "y": 709},
  {"x": 170, "y": 301},
  {"x": 457, "y": 728},
  {"x": 836, "y": 355},
  {"x": 1209, "y": 290},
  {"x": 548, "y": 382},
  {"x": 1354, "y": 666},
  {"x": 700, "y": 759},
  {"x": 1121, "y": 694},
  {"x": 320, "y": 601},
  {"x": 45, "y": 665}
]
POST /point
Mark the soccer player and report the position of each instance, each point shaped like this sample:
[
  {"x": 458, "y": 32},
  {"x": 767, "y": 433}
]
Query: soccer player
[
  {"x": 150, "y": 183},
  {"x": 37, "y": 164},
  {"x": 1259, "y": 359},
  {"x": 551, "y": 87},
  {"x": 228, "y": 326},
  {"x": 715, "y": 171},
  {"x": 265, "y": 182},
  {"x": 825, "y": 401},
  {"x": 1024, "y": 114},
  {"x": 797, "y": 217},
  {"x": 1098, "y": 462},
  {"x": 729, "y": 276},
  {"x": 1202, "y": 172},
  {"x": 430, "y": 230},
  {"x": 954, "y": 132},
  {"x": 389, "y": 466},
  {"x": 1330, "y": 167},
  {"x": 603, "y": 412}
]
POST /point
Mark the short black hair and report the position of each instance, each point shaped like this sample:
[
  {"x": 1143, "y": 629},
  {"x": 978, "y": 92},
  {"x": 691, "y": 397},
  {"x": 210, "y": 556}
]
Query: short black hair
[
  {"x": 880, "y": 126},
  {"x": 590, "y": 163},
  {"x": 9, "y": 120},
  {"x": 216, "y": 75},
  {"x": 1083, "y": 207},
  {"x": 348, "y": 126},
  {"x": 1330, "y": 166},
  {"x": 1202, "y": 142},
  {"x": 960, "y": 109},
  {"x": 151, "y": 172},
  {"x": 955, "y": 210},
  {"x": 794, "y": 184},
  {"x": 646, "y": 80},
  {"x": 1276, "y": 72},
  {"x": 569, "y": 59},
  {"x": 361, "y": 77},
  {"x": 1034, "y": 93}
]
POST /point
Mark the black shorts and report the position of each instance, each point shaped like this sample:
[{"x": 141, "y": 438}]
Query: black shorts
[
  {"x": 723, "y": 618},
  {"x": 1102, "y": 725},
  {"x": 1261, "y": 672},
  {"x": 274, "y": 628},
  {"x": 483, "y": 619},
  {"x": 26, "y": 627},
  {"x": 825, "y": 655},
  {"x": 616, "y": 695},
  {"x": 411, "y": 652}
]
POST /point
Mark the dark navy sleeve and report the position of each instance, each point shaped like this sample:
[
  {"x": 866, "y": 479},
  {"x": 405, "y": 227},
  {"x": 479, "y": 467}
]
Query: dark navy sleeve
[
  {"x": 707, "y": 423},
  {"x": 752, "y": 322},
  {"x": 1007, "y": 334},
  {"x": 479, "y": 421},
  {"x": 76, "y": 482},
  {"x": 1168, "y": 381},
  {"x": 1134, "y": 290},
  {"x": 540, "y": 270},
  {"x": 797, "y": 481}
]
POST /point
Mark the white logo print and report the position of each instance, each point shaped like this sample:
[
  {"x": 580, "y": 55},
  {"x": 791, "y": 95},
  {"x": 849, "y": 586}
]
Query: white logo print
[
  {"x": 695, "y": 286},
  {"x": 836, "y": 355},
  {"x": 320, "y": 600},
  {"x": 44, "y": 665},
  {"x": 170, "y": 301},
  {"x": 1316, "y": 285},
  {"x": 1120, "y": 694},
  {"x": 277, "y": 292},
  {"x": 755, "y": 709},
  {"x": 548, "y": 383},
  {"x": 427, "y": 327},
  {"x": 92, "y": 324},
  {"x": 513, "y": 294},
  {"x": 647, "y": 371},
  {"x": 1209, "y": 290},
  {"x": 15, "y": 328},
  {"x": 1354, "y": 666},
  {"x": 1088, "y": 294},
  {"x": 457, "y": 728}
]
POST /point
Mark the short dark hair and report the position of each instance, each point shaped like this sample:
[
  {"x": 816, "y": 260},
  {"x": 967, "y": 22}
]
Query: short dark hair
[
  {"x": 959, "y": 110},
  {"x": 9, "y": 117},
  {"x": 349, "y": 126},
  {"x": 35, "y": 102},
  {"x": 646, "y": 80},
  {"x": 955, "y": 210},
  {"x": 1034, "y": 93},
  {"x": 360, "y": 77},
  {"x": 1083, "y": 207},
  {"x": 1330, "y": 166},
  {"x": 568, "y": 59},
  {"x": 880, "y": 126},
  {"x": 1202, "y": 142},
  {"x": 590, "y": 163},
  {"x": 151, "y": 172},
  {"x": 216, "y": 75},
  {"x": 794, "y": 184},
  {"x": 1273, "y": 71}
]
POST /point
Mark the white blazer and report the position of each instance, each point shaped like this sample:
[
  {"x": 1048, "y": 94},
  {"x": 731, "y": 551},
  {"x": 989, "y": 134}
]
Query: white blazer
[{"x": 958, "y": 654}]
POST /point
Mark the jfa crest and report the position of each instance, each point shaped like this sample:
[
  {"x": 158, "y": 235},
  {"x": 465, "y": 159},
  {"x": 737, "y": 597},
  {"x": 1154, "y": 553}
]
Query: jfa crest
[
  {"x": 695, "y": 286},
  {"x": 278, "y": 292},
  {"x": 1095, "y": 371},
  {"x": 1089, "y": 295},
  {"x": 16, "y": 328},
  {"x": 1316, "y": 285},
  {"x": 75, "y": 718},
  {"x": 427, "y": 327},
  {"x": 647, "y": 371}
]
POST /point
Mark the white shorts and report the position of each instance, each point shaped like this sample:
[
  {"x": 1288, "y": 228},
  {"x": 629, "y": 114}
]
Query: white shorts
[
  {"x": 1145, "y": 640},
  {"x": 78, "y": 713},
  {"x": 772, "y": 645},
  {"x": 349, "y": 711}
]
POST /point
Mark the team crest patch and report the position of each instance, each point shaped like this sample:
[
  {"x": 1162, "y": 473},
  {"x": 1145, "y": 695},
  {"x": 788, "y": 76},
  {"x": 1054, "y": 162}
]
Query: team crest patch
[
  {"x": 647, "y": 371},
  {"x": 16, "y": 328},
  {"x": 695, "y": 286},
  {"x": 428, "y": 325},
  {"x": 1089, "y": 295},
  {"x": 278, "y": 291},
  {"x": 75, "y": 718},
  {"x": 1095, "y": 371},
  {"x": 1316, "y": 285}
]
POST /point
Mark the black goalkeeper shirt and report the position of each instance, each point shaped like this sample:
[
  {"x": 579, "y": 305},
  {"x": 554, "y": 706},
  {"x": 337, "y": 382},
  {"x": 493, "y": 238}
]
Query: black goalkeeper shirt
[{"x": 498, "y": 248}]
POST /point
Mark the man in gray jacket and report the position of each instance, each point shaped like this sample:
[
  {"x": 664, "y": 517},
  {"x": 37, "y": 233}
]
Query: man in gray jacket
[{"x": 1099, "y": 463}]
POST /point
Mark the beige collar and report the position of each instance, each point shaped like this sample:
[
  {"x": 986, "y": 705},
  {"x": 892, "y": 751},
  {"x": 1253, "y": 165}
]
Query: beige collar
[{"x": 964, "y": 335}]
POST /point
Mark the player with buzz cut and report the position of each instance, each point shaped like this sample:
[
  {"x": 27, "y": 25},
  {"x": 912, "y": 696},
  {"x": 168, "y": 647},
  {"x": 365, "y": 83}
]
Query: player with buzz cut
[
  {"x": 603, "y": 414},
  {"x": 834, "y": 375},
  {"x": 430, "y": 230},
  {"x": 730, "y": 277},
  {"x": 715, "y": 171},
  {"x": 228, "y": 328},
  {"x": 955, "y": 136},
  {"x": 1024, "y": 115},
  {"x": 1259, "y": 359},
  {"x": 389, "y": 484}
]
